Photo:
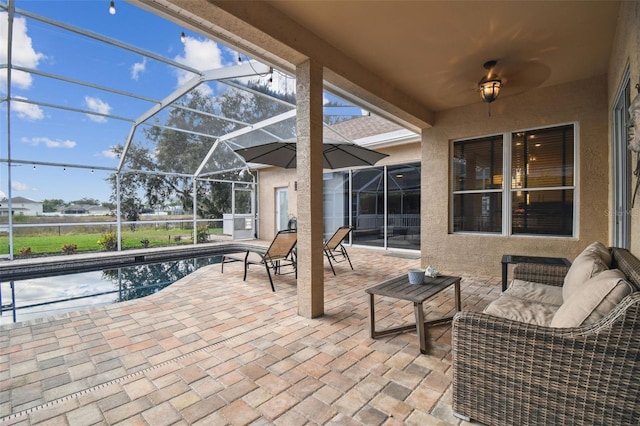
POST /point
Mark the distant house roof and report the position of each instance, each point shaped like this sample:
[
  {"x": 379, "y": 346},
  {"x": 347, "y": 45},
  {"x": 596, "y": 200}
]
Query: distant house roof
[
  {"x": 74, "y": 210},
  {"x": 23, "y": 200},
  {"x": 98, "y": 209},
  {"x": 367, "y": 125},
  {"x": 373, "y": 130},
  {"x": 84, "y": 209}
]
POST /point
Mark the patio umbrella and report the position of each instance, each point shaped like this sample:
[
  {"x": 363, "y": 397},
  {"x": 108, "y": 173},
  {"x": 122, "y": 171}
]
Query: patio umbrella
[{"x": 336, "y": 154}]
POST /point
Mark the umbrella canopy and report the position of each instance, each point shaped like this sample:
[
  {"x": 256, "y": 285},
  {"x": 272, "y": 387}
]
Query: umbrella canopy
[{"x": 336, "y": 154}]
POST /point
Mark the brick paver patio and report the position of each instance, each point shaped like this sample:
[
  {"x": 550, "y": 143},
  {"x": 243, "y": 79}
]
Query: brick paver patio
[{"x": 214, "y": 350}]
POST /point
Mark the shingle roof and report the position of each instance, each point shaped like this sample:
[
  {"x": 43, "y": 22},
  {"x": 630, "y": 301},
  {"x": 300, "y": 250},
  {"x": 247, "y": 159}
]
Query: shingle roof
[
  {"x": 23, "y": 200},
  {"x": 362, "y": 127}
]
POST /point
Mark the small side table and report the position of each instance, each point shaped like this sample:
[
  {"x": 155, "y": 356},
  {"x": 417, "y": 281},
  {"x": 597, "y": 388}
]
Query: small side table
[
  {"x": 399, "y": 288},
  {"x": 540, "y": 260}
]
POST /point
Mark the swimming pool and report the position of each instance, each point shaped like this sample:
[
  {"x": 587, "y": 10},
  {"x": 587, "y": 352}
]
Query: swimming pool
[{"x": 53, "y": 295}]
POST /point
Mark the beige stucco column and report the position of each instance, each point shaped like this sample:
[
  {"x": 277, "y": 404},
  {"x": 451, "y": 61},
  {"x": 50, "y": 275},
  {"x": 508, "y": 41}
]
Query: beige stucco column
[{"x": 309, "y": 168}]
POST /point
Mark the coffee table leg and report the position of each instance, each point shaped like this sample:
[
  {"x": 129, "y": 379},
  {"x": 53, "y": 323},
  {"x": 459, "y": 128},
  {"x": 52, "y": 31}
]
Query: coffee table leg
[
  {"x": 372, "y": 318},
  {"x": 417, "y": 307},
  {"x": 457, "y": 296}
]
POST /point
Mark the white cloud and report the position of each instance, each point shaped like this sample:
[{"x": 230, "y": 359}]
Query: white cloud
[
  {"x": 27, "y": 111},
  {"x": 99, "y": 106},
  {"x": 108, "y": 153},
  {"x": 138, "y": 68},
  {"x": 23, "y": 53},
  {"x": 205, "y": 90},
  {"x": 49, "y": 143},
  {"x": 199, "y": 54},
  {"x": 19, "y": 186}
]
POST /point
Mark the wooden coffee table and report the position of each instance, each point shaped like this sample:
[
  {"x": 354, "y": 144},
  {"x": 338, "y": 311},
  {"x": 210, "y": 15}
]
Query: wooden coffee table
[{"x": 399, "y": 288}]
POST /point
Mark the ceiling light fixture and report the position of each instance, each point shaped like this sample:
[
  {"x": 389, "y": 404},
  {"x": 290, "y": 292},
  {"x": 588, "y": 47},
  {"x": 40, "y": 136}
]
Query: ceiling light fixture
[
  {"x": 490, "y": 84},
  {"x": 183, "y": 37},
  {"x": 112, "y": 7}
]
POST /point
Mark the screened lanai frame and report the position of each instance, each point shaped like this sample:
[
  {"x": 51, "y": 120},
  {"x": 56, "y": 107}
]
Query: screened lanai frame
[{"x": 249, "y": 78}]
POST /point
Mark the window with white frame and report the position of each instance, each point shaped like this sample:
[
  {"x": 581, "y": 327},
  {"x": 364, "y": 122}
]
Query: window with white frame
[{"x": 535, "y": 198}]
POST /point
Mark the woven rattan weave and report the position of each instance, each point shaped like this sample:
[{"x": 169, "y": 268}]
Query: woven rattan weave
[{"x": 511, "y": 373}]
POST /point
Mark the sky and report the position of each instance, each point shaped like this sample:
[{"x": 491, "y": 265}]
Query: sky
[{"x": 68, "y": 137}]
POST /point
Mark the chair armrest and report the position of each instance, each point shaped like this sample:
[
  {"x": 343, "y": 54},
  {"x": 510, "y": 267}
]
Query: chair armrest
[
  {"x": 507, "y": 372},
  {"x": 544, "y": 274}
]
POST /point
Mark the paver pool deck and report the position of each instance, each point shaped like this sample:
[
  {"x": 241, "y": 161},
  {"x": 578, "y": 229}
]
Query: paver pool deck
[{"x": 212, "y": 349}]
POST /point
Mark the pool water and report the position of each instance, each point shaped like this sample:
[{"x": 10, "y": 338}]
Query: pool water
[{"x": 42, "y": 297}]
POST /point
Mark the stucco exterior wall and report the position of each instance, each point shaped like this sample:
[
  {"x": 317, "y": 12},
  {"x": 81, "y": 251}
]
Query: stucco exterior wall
[
  {"x": 626, "y": 50},
  {"x": 400, "y": 154},
  {"x": 583, "y": 102},
  {"x": 269, "y": 179}
]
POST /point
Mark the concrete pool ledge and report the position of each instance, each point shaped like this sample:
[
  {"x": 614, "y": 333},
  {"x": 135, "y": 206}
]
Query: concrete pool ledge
[{"x": 17, "y": 269}]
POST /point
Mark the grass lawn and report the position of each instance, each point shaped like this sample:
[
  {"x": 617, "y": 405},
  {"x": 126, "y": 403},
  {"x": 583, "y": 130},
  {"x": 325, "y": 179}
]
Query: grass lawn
[{"x": 87, "y": 242}]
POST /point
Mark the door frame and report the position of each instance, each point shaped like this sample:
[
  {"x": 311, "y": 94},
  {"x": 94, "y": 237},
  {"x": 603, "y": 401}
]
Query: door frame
[
  {"x": 278, "y": 213},
  {"x": 621, "y": 191}
]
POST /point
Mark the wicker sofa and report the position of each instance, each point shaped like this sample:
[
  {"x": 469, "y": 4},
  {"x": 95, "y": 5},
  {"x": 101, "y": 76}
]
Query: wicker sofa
[{"x": 509, "y": 372}]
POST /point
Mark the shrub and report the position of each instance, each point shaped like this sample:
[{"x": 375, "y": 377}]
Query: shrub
[
  {"x": 69, "y": 248},
  {"x": 25, "y": 251},
  {"x": 202, "y": 234},
  {"x": 145, "y": 242},
  {"x": 109, "y": 241}
]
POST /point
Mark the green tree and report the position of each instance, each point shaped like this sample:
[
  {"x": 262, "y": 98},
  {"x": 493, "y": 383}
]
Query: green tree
[
  {"x": 109, "y": 205},
  {"x": 88, "y": 201},
  {"x": 179, "y": 154},
  {"x": 52, "y": 205},
  {"x": 132, "y": 184}
]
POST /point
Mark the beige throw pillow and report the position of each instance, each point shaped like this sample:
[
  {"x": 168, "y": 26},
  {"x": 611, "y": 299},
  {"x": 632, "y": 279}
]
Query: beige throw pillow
[
  {"x": 587, "y": 264},
  {"x": 602, "y": 251},
  {"x": 593, "y": 300}
]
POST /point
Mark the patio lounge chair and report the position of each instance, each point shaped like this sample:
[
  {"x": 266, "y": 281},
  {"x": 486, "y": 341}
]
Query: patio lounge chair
[
  {"x": 333, "y": 247},
  {"x": 280, "y": 253}
]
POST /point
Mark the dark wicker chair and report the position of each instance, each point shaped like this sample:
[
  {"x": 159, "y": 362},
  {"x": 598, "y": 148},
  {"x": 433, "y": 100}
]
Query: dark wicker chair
[{"x": 511, "y": 373}]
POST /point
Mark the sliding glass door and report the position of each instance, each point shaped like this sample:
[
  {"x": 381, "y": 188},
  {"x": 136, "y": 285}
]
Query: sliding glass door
[
  {"x": 382, "y": 204},
  {"x": 403, "y": 206}
]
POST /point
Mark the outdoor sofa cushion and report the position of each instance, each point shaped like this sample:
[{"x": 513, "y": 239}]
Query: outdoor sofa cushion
[
  {"x": 522, "y": 310},
  {"x": 535, "y": 292},
  {"x": 593, "y": 300}
]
